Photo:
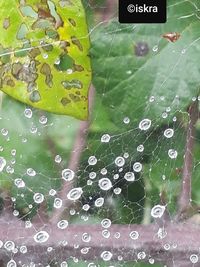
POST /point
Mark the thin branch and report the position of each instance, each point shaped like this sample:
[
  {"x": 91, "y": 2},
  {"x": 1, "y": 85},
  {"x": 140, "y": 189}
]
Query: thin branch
[
  {"x": 185, "y": 195},
  {"x": 79, "y": 145},
  {"x": 174, "y": 248}
]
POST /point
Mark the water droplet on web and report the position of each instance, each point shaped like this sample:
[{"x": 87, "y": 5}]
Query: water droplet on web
[
  {"x": 152, "y": 99},
  {"x": 172, "y": 153},
  {"x": 41, "y": 237},
  {"x": 99, "y": 202},
  {"x": 140, "y": 148},
  {"x": 157, "y": 211},
  {"x": 141, "y": 255},
  {"x": 194, "y": 258},
  {"x": 104, "y": 171},
  {"x": 183, "y": 51},
  {"x": 2, "y": 163},
  {"x": 105, "y": 233},
  {"x": 92, "y": 175},
  {"x": 126, "y": 120},
  {"x": 11, "y": 263},
  {"x": 75, "y": 193},
  {"x": 86, "y": 207},
  {"x": 28, "y": 113},
  {"x": 134, "y": 235},
  {"x": 19, "y": 183},
  {"x": 92, "y": 160},
  {"x": 168, "y": 133},
  {"x": 86, "y": 237},
  {"x": 117, "y": 190},
  {"x": 52, "y": 192},
  {"x": 106, "y": 255},
  {"x": 129, "y": 176},
  {"x": 63, "y": 224},
  {"x": 105, "y": 184},
  {"x": 31, "y": 172},
  {"x": 105, "y": 138},
  {"x": 119, "y": 161},
  {"x": 38, "y": 198},
  {"x": 155, "y": 48},
  {"x": 23, "y": 249},
  {"x": 151, "y": 261},
  {"x": 67, "y": 175},
  {"x": 145, "y": 124},
  {"x": 58, "y": 159},
  {"x": 137, "y": 167},
  {"x": 9, "y": 245},
  {"x": 92, "y": 265},
  {"x": 4, "y": 132},
  {"x": 64, "y": 264},
  {"x": 13, "y": 152},
  {"x": 57, "y": 203},
  {"x": 43, "y": 119},
  {"x": 106, "y": 223},
  {"x": 164, "y": 115}
]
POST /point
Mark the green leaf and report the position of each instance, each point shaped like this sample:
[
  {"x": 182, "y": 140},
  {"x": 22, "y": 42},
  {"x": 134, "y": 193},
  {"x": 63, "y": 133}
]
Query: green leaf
[
  {"x": 134, "y": 63},
  {"x": 44, "y": 55}
]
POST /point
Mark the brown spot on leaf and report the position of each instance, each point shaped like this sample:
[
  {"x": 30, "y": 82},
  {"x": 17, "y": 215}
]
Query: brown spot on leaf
[
  {"x": 34, "y": 52},
  {"x": 78, "y": 68},
  {"x": 72, "y": 22},
  {"x": 64, "y": 101},
  {"x": 25, "y": 73},
  {"x": 6, "y": 23},
  {"x": 75, "y": 98},
  {"x": 76, "y": 42},
  {"x": 35, "y": 96},
  {"x": 46, "y": 70}
]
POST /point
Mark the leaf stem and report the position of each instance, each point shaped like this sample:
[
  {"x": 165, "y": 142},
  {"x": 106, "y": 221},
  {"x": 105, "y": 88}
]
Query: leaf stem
[{"x": 185, "y": 195}]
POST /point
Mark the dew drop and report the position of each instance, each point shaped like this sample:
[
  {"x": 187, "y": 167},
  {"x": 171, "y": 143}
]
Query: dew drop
[
  {"x": 92, "y": 160},
  {"x": 19, "y": 183},
  {"x": 140, "y": 148},
  {"x": 57, "y": 203},
  {"x": 155, "y": 48},
  {"x": 106, "y": 255},
  {"x": 129, "y": 176},
  {"x": 172, "y": 153},
  {"x": 75, "y": 193},
  {"x": 134, "y": 235},
  {"x": 105, "y": 138},
  {"x": 105, "y": 184},
  {"x": 145, "y": 124},
  {"x": 157, "y": 211},
  {"x": 106, "y": 223},
  {"x": 126, "y": 120},
  {"x": 38, "y": 198},
  {"x": 28, "y": 113},
  {"x": 58, "y": 159},
  {"x": 86, "y": 237},
  {"x": 194, "y": 258},
  {"x": 43, "y": 119},
  {"x": 11, "y": 263},
  {"x": 41, "y": 237},
  {"x": 67, "y": 175},
  {"x": 119, "y": 161},
  {"x": 31, "y": 172},
  {"x": 141, "y": 255},
  {"x": 137, "y": 167},
  {"x": 9, "y": 245},
  {"x": 64, "y": 264},
  {"x": 99, "y": 202},
  {"x": 168, "y": 133},
  {"x": 63, "y": 224}
]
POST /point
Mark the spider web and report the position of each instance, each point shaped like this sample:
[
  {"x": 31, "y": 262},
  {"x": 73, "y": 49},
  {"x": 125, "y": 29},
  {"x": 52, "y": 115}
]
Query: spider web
[{"x": 128, "y": 173}]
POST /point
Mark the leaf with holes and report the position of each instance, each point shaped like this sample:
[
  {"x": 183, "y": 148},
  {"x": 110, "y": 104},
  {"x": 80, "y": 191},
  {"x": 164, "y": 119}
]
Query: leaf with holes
[{"x": 44, "y": 55}]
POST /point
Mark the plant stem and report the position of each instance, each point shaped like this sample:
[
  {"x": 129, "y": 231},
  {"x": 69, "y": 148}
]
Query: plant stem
[
  {"x": 185, "y": 195},
  {"x": 74, "y": 161}
]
